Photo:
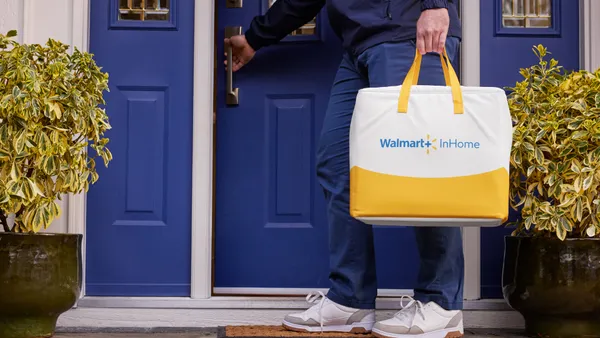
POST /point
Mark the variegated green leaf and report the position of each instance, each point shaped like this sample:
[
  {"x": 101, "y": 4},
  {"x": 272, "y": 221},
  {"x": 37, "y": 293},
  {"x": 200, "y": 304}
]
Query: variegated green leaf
[
  {"x": 555, "y": 160},
  {"x": 49, "y": 115}
]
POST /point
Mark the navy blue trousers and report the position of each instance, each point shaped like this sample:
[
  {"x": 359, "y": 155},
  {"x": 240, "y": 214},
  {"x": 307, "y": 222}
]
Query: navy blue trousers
[{"x": 351, "y": 247}]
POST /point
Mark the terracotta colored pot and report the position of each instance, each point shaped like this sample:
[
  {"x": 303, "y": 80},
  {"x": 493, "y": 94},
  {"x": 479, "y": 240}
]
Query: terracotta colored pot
[
  {"x": 40, "y": 278},
  {"x": 555, "y": 285}
]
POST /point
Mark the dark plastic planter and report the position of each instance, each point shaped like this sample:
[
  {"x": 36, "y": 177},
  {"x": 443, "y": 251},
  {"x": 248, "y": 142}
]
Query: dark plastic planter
[
  {"x": 555, "y": 285},
  {"x": 40, "y": 278}
]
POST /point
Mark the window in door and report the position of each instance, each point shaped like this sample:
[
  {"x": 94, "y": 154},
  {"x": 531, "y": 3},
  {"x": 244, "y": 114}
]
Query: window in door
[
  {"x": 143, "y": 14},
  {"x": 308, "y": 30},
  {"x": 527, "y": 13},
  {"x": 143, "y": 10},
  {"x": 527, "y": 17}
]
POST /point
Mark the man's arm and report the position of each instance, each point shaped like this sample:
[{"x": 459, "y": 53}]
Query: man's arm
[
  {"x": 432, "y": 27},
  {"x": 281, "y": 19}
]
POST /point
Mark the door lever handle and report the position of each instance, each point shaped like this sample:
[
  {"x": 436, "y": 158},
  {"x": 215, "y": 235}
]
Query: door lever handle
[{"x": 231, "y": 94}]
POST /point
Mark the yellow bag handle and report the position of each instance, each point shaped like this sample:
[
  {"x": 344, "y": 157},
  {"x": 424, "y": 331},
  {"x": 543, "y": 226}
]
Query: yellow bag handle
[{"x": 412, "y": 78}]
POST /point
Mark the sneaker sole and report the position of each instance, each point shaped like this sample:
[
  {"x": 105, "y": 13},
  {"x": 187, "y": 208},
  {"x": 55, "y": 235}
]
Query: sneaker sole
[
  {"x": 454, "y": 332},
  {"x": 353, "y": 328}
]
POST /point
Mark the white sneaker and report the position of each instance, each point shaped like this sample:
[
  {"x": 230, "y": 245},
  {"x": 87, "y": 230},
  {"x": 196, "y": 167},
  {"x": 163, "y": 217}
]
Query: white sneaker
[
  {"x": 420, "y": 320},
  {"x": 327, "y": 316}
]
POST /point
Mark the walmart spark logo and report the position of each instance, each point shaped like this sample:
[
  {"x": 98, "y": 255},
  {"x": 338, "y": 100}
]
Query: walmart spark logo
[{"x": 428, "y": 143}]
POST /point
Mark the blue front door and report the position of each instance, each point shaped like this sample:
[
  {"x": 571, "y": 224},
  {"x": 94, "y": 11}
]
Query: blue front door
[
  {"x": 138, "y": 213},
  {"x": 271, "y": 228},
  {"x": 509, "y": 30}
]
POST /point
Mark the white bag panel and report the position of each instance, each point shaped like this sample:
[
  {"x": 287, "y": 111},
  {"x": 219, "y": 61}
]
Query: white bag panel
[{"x": 474, "y": 142}]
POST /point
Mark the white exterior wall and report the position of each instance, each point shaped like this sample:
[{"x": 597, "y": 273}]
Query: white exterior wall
[
  {"x": 35, "y": 22},
  {"x": 590, "y": 34},
  {"x": 11, "y": 16}
]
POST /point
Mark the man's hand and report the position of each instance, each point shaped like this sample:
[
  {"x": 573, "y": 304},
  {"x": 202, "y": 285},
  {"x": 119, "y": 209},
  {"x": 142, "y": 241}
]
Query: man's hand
[
  {"x": 242, "y": 53},
  {"x": 432, "y": 29}
]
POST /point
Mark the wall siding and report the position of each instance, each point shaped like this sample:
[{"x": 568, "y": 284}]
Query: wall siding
[{"x": 36, "y": 21}]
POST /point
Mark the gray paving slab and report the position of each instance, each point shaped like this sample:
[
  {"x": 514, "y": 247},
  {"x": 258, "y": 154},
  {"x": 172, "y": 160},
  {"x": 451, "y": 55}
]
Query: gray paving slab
[{"x": 130, "y": 335}]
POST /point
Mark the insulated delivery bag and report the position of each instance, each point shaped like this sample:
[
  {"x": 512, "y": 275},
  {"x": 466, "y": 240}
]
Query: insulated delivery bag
[{"x": 430, "y": 155}]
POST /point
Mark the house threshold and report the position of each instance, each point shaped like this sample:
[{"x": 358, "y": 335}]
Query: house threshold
[{"x": 143, "y": 313}]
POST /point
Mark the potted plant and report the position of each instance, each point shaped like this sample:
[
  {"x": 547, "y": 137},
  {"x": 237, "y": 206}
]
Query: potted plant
[
  {"x": 551, "y": 271},
  {"x": 49, "y": 114}
]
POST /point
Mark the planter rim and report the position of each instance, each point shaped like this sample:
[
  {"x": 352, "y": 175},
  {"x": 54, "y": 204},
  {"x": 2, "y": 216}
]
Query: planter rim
[
  {"x": 536, "y": 238},
  {"x": 47, "y": 234}
]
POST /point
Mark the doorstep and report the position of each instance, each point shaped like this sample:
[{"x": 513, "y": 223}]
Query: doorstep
[
  {"x": 149, "y": 313},
  {"x": 141, "y": 319}
]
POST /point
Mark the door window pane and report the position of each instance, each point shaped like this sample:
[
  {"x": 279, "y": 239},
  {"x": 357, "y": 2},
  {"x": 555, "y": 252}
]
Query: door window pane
[
  {"x": 308, "y": 29},
  {"x": 144, "y": 10},
  {"x": 526, "y": 13}
]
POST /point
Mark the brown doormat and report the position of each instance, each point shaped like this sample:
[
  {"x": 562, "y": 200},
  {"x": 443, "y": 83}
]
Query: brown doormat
[{"x": 263, "y": 331}]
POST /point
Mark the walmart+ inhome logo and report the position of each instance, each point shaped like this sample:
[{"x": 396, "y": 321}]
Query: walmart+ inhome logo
[{"x": 428, "y": 143}]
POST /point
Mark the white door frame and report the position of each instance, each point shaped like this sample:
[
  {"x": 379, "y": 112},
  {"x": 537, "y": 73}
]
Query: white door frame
[
  {"x": 203, "y": 117},
  {"x": 470, "y": 69},
  {"x": 202, "y": 202}
]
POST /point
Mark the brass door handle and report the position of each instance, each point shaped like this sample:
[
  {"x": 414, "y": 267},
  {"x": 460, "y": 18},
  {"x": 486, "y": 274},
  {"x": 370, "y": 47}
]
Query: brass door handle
[{"x": 231, "y": 93}]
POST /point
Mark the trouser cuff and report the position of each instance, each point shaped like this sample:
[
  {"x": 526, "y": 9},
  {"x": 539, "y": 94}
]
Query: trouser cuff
[
  {"x": 353, "y": 303},
  {"x": 441, "y": 301}
]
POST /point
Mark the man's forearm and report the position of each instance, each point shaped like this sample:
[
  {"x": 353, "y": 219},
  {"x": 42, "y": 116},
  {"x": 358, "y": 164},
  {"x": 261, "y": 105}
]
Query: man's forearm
[
  {"x": 281, "y": 19},
  {"x": 432, "y": 4}
]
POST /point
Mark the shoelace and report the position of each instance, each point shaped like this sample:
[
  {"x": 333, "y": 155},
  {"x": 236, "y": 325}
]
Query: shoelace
[
  {"x": 312, "y": 298},
  {"x": 412, "y": 302}
]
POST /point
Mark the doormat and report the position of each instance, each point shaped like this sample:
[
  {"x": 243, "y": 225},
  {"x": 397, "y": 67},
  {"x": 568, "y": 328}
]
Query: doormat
[{"x": 265, "y": 331}]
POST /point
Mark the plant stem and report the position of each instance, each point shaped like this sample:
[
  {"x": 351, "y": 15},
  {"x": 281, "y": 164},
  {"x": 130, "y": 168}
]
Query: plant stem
[
  {"x": 19, "y": 212},
  {"x": 4, "y": 223}
]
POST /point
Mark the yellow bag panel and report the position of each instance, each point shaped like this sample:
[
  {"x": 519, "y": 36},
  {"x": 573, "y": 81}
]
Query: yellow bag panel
[{"x": 381, "y": 195}]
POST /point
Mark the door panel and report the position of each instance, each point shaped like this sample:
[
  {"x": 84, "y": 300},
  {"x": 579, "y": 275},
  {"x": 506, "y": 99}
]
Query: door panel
[
  {"x": 138, "y": 213},
  {"x": 509, "y": 30},
  {"x": 271, "y": 227}
]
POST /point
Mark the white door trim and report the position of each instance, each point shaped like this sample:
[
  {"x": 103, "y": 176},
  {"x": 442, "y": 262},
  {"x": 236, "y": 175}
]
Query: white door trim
[
  {"x": 202, "y": 162},
  {"x": 287, "y": 292},
  {"x": 470, "y": 72},
  {"x": 76, "y": 204}
]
